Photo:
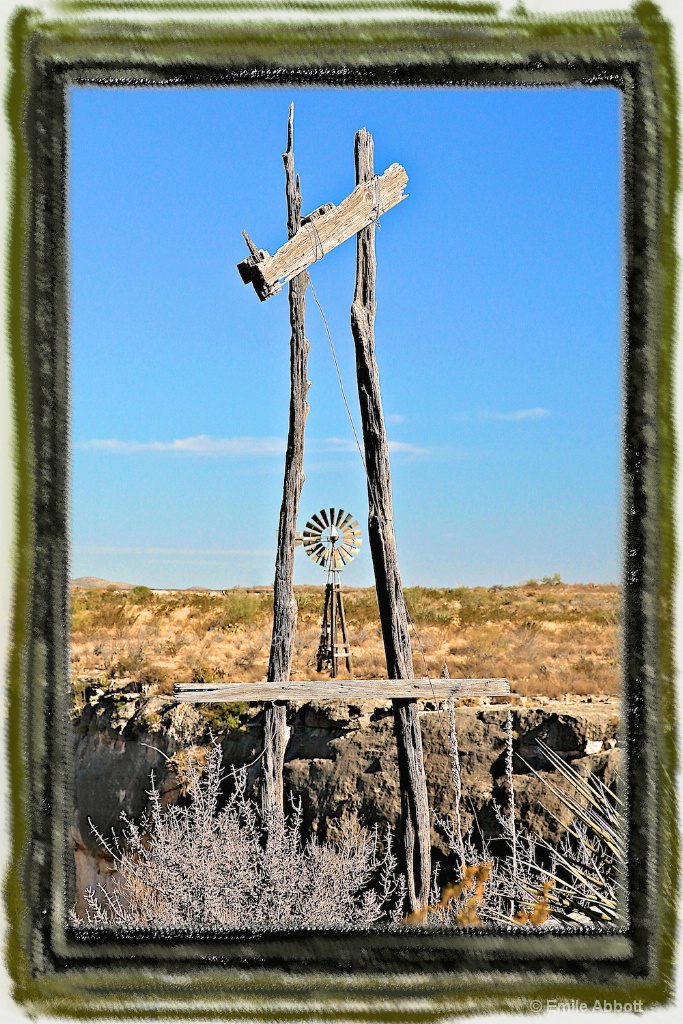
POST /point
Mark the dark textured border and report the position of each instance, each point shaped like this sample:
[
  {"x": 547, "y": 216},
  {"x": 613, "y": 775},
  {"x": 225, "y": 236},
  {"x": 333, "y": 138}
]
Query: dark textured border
[{"x": 323, "y": 976}]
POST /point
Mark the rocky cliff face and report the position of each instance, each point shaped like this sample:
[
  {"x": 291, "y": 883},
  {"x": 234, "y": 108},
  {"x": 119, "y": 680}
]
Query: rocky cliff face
[{"x": 341, "y": 759}]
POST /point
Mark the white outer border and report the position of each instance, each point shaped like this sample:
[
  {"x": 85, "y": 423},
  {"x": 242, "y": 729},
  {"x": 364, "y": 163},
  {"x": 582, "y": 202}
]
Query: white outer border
[{"x": 673, "y": 11}]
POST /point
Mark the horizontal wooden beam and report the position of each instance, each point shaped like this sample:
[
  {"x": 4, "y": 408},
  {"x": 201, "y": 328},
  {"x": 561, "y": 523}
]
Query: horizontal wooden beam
[
  {"x": 341, "y": 689},
  {"x": 322, "y": 231}
]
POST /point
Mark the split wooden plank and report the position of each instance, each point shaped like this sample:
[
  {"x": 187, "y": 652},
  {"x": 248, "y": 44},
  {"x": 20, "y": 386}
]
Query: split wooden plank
[
  {"x": 341, "y": 689},
  {"x": 322, "y": 231}
]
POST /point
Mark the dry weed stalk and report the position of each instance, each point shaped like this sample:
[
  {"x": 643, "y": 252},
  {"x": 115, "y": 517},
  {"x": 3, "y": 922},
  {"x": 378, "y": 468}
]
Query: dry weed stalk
[{"x": 579, "y": 884}]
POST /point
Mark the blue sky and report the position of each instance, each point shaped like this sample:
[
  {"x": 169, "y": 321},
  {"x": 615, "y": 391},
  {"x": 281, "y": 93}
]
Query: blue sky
[{"x": 498, "y": 331}]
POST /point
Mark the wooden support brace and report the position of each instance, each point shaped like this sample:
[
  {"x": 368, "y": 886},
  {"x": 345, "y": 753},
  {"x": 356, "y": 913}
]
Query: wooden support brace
[
  {"x": 322, "y": 230},
  {"x": 341, "y": 689}
]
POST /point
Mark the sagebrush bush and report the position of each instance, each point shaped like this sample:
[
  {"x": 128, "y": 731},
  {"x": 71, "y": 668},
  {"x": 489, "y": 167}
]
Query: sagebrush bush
[{"x": 193, "y": 868}]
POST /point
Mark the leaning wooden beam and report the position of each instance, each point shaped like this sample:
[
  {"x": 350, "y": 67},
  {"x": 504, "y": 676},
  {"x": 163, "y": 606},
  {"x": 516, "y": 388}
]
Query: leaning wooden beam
[
  {"x": 321, "y": 231},
  {"x": 414, "y": 846},
  {"x": 275, "y": 731},
  {"x": 341, "y": 689}
]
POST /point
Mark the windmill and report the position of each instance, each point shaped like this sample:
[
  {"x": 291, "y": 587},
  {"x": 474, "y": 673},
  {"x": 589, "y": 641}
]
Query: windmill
[{"x": 332, "y": 540}]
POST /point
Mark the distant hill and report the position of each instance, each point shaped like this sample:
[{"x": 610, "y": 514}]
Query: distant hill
[{"x": 95, "y": 583}]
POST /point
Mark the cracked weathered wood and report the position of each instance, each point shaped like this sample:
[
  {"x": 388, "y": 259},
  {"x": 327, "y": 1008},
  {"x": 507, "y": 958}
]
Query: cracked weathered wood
[
  {"x": 275, "y": 729},
  {"x": 321, "y": 231},
  {"x": 341, "y": 689},
  {"x": 415, "y": 840}
]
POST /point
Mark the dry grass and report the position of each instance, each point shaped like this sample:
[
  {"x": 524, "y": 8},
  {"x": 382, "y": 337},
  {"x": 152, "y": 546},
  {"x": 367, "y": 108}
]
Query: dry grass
[{"x": 548, "y": 638}]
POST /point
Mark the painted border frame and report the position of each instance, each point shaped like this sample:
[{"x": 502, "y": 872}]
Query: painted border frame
[{"x": 360, "y": 976}]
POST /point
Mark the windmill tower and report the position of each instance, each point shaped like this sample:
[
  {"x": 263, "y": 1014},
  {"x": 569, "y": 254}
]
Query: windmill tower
[{"x": 332, "y": 539}]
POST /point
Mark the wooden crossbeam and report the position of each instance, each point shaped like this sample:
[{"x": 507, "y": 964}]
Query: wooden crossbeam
[
  {"x": 321, "y": 231},
  {"x": 341, "y": 689}
]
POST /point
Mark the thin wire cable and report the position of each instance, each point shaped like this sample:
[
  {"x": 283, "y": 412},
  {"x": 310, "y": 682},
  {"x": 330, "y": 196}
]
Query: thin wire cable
[
  {"x": 339, "y": 377},
  {"x": 317, "y": 241},
  {"x": 368, "y": 481},
  {"x": 378, "y": 204}
]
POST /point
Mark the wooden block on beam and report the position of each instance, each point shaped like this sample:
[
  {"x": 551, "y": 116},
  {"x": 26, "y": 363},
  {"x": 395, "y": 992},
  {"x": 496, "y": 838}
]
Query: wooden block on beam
[
  {"x": 323, "y": 230},
  {"x": 341, "y": 689}
]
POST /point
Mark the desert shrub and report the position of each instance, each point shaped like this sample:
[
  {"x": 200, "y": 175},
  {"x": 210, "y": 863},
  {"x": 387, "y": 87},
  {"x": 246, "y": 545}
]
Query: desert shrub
[
  {"x": 242, "y": 607},
  {"x": 360, "y": 607},
  {"x": 125, "y": 665},
  {"x": 94, "y": 610},
  {"x": 80, "y": 687},
  {"x": 551, "y": 581},
  {"x": 187, "y": 765},
  {"x": 428, "y": 607},
  {"x": 309, "y": 603},
  {"x": 203, "y": 673},
  {"x": 580, "y": 883},
  {"x": 157, "y": 677},
  {"x": 223, "y": 717},
  {"x": 193, "y": 868}
]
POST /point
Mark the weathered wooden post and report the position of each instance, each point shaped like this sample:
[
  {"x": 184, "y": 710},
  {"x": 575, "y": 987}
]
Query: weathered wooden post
[
  {"x": 310, "y": 238},
  {"x": 415, "y": 842},
  {"x": 275, "y": 730}
]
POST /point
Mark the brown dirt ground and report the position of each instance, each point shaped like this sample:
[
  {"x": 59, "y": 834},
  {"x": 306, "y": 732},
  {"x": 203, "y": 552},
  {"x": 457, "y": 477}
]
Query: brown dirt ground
[{"x": 550, "y": 639}]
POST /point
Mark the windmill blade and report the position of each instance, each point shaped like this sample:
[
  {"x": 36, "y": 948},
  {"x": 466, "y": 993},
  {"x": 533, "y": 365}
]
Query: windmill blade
[{"x": 332, "y": 538}]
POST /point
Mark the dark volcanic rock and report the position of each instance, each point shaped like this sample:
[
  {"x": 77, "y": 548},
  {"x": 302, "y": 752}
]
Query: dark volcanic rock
[{"x": 341, "y": 759}]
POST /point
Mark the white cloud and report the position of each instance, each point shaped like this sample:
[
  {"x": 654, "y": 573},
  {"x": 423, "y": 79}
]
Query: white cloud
[
  {"x": 331, "y": 444},
  {"x": 253, "y": 447},
  {"x": 175, "y": 552},
  {"x": 341, "y": 444},
  {"x": 200, "y": 445},
  {"x": 520, "y": 414},
  {"x": 411, "y": 449},
  {"x": 396, "y": 417}
]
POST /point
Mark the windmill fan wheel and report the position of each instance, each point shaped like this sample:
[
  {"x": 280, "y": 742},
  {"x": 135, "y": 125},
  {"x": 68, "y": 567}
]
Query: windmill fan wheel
[{"x": 332, "y": 538}]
